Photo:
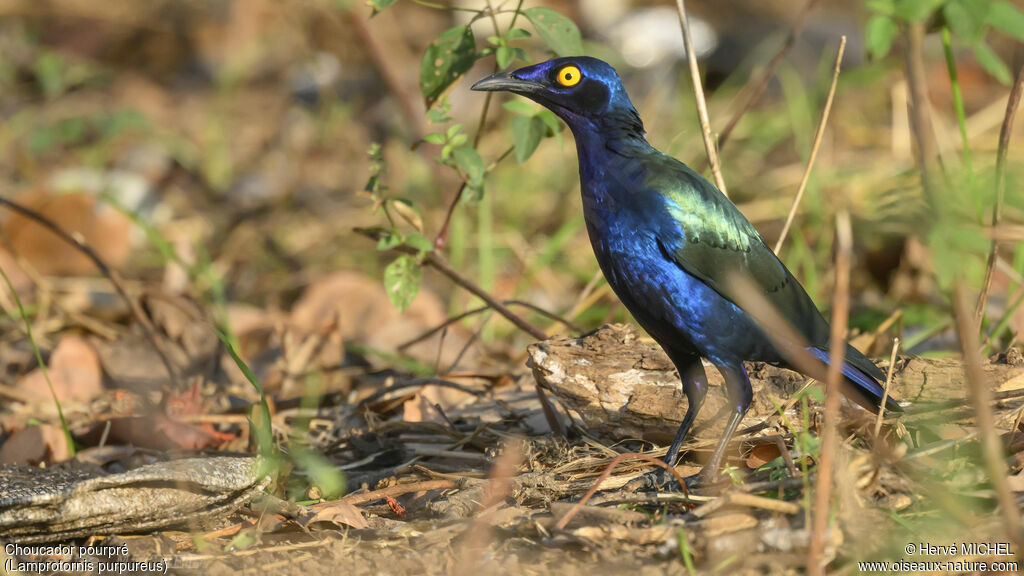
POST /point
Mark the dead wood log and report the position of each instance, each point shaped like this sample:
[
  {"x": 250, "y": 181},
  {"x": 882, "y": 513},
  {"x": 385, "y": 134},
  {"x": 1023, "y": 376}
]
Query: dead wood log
[{"x": 622, "y": 387}]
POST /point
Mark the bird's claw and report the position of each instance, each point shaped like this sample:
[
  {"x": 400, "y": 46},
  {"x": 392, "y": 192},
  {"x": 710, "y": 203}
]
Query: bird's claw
[{"x": 662, "y": 480}]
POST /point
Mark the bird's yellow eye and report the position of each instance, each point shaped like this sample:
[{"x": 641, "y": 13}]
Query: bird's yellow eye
[{"x": 569, "y": 76}]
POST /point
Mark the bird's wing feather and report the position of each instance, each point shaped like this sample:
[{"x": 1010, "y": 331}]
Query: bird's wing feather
[{"x": 711, "y": 239}]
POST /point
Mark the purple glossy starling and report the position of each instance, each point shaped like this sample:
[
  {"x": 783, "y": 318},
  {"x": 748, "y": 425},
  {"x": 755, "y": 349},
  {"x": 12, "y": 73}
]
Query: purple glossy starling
[{"x": 667, "y": 240}]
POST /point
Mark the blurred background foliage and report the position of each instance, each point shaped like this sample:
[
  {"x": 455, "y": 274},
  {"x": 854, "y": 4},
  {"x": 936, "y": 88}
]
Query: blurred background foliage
[{"x": 245, "y": 140}]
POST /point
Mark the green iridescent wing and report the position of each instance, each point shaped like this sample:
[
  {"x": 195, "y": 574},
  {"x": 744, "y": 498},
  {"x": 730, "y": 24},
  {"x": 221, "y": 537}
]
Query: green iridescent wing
[{"x": 718, "y": 241}]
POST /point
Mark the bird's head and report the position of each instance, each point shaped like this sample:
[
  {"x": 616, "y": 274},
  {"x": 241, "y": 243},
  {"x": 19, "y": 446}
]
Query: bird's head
[{"x": 581, "y": 90}]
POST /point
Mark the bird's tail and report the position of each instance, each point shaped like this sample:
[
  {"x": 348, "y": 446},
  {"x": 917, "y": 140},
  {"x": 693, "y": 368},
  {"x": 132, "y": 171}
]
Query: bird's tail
[{"x": 864, "y": 379}]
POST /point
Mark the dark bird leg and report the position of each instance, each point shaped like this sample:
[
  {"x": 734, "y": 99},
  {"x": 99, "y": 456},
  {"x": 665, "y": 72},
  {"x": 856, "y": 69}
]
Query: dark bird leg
[
  {"x": 695, "y": 386},
  {"x": 737, "y": 387}
]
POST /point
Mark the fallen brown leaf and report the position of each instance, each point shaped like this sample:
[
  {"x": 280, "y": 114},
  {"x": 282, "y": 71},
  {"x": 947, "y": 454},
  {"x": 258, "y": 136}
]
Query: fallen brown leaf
[
  {"x": 35, "y": 445},
  {"x": 339, "y": 512}
]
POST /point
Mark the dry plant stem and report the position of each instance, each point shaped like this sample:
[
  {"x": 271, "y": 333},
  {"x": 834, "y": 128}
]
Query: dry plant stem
[
  {"x": 830, "y": 435},
  {"x": 758, "y": 90},
  {"x": 981, "y": 397},
  {"x": 698, "y": 93},
  {"x": 920, "y": 108},
  {"x": 885, "y": 390},
  {"x": 79, "y": 243},
  {"x": 410, "y": 108},
  {"x": 997, "y": 209},
  {"x": 442, "y": 236},
  {"x": 814, "y": 149},
  {"x": 607, "y": 471},
  {"x": 436, "y": 261},
  {"x": 459, "y": 317},
  {"x": 396, "y": 490}
]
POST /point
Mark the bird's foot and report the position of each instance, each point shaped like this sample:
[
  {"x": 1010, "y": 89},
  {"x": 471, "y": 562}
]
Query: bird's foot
[{"x": 662, "y": 480}]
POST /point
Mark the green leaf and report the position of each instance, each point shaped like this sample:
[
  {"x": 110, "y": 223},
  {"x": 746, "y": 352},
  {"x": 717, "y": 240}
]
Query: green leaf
[
  {"x": 322, "y": 473},
  {"x": 516, "y": 33},
  {"x": 402, "y": 281},
  {"x": 991, "y": 62},
  {"x": 527, "y": 131},
  {"x": 878, "y": 36},
  {"x": 519, "y": 107},
  {"x": 388, "y": 240},
  {"x": 379, "y": 5},
  {"x": 439, "y": 113},
  {"x": 505, "y": 55},
  {"x": 553, "y": 124},
  {"x": 434, "y": 138},
  {"x": 557, "y": 31},
  {"x": 445, "y": 60},
  {"x": 419, "y": 242},
  {"x": 472, "y": 165},
  {"x": 50, "y": 72},
  {"x": 914, "y": 10},
  {"x": 550, "y": 120},
  {"x": 886, "y": 7},
  {"x": 966, "y": 18},
  {"x": 1006, "y": 18}
]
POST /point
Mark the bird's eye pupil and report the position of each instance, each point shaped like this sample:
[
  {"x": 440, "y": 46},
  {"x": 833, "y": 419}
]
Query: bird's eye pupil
[{"x": 569, "y": 76}]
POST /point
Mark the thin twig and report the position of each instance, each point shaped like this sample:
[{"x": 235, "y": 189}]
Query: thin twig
[
  {"x": 459, "y": 317},
  {"x": 814, "y": 149},
  {"x": 393, "y": 491},
  {"x": 758, "y": 89},
  {"x": 78, "y": 242},
  {"x": 698, "y": 93},
  {"x": 888, "y": 381},
  {"x": 437, "y": 262},
  {"x": 997, "y": 209},
  {"x": 608, "y": 470},
  {"x": 830, "y": 435},
  {"x": 980, "y": 395}
]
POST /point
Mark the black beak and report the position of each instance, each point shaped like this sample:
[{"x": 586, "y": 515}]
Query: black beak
[{"x": 505, "y": 81}]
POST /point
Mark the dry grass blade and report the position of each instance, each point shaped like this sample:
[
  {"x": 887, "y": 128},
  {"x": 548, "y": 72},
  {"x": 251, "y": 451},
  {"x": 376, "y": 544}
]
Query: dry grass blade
[
  {"x": 814, "y": 149},
  {"x": 698, "y": 93},
  {"x": 1004, "y": 146},
  {"x": 607, "y": 471},
  {"x": 830, "y": 436},
  {"x": 888, "y": 382},
  {"x": 981, "y": 398},
  {"x": 499, "y": 485},
  {"x": 783, "y": 336}
]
